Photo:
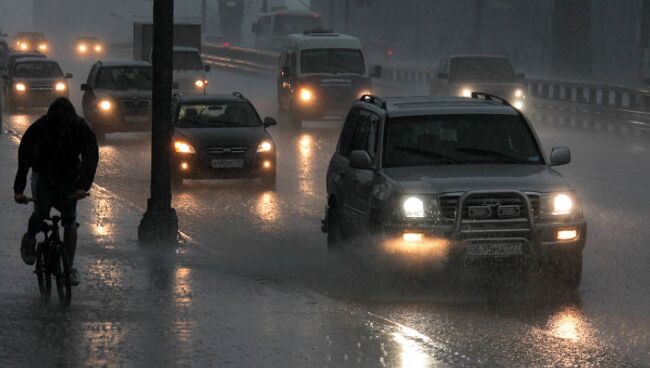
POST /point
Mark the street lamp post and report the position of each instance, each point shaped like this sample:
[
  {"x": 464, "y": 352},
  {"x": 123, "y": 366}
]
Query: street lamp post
[{"x": 159, "y": 222}]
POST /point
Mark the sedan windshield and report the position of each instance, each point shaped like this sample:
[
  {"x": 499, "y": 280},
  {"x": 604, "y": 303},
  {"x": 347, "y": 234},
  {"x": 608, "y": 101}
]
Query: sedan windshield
[
  {"x": 335, "y": 61},
  {"x": 459, "y": 140},
  {"x": 125, "y": 77},
  {"x": 486, "y": 68},
  {"x": 187, "y": 60},
  {"x": 37, "y": 69},
  {"x": 217, "y": 115}
]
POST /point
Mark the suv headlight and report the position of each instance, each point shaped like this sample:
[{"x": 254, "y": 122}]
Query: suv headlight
[
  {"x": 105, "y": 105},
  {"x": 415, "y": 206},
  {"x": 183, "y": 147},
  {"x": 559, "y": 204}
]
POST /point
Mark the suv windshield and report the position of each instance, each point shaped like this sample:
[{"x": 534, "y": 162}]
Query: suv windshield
[
  {"x": 491, "y": 69},
  {"x": 288, "y": 24},
  {"x": 459, "y": 140},
  {"x": 333, "y": 61},
  {"x": 187, "y": 60},
  {"x": 217, "y": 115},
  {"x": 37, "y": 69},
  {"x": 125, "y": 77}
]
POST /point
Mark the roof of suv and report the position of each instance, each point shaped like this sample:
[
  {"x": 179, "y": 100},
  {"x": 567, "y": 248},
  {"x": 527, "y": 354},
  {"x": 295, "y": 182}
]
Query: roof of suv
[
  {"x": 210, "y": 98},
  {"x": 124, "y": 63},
  {"x": 426, "y": 105}
]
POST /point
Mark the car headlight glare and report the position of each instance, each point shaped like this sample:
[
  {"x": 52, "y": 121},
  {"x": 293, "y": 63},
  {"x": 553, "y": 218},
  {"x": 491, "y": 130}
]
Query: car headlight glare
[
  {"x": 82, "y": 48},
  {"x": 42, "y": 47},
  {"x": 519, "y": 93},
  {"x": 466, "y": 92},
  {"x": 519, "y": 104},
  {"x": 182, "y": 147},
  {"x": 98, "y": 48},
  {"x": 265, "y": 146},
  {"x": 365, "y": 93},
  {"x": 306, "y": 95},
  {"x": 105, "y": 105},
  {"x": 60, "y": 86},
  {"x": 21, "y": 87},
  {"x": 200, "y": 83},
  {"x": 562, "y": 204},
  {"x": 23, "y": 46},
  {"x": 413, "y": 207}
]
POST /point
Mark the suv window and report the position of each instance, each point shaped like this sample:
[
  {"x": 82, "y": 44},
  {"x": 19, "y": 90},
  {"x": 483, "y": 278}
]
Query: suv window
[
  {"x": 365, "y": 134},
  {"x": 459, "y": 140},
  {"x": 348, "y": 131}
]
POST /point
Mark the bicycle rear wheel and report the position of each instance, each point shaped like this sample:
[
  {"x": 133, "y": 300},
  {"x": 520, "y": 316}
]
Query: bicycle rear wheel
[
  {"x": 43, "y": 276},
  {"x": 63, "y": 286}
]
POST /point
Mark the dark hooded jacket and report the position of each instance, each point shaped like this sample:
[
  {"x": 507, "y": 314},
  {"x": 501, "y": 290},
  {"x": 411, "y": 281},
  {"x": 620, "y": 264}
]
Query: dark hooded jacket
[{"x": 61, "y": 148}]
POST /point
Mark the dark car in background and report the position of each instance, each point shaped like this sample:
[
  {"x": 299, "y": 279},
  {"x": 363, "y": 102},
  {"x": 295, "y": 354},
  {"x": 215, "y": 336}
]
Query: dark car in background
[
  {"x": 117, "y": 97},
  {"x": 34, "y": 82},
  {"x": 460, "y": 75},
  {"x": 31, "y": 41},
  {"x": 221, "y": 137},
  {"x": 89, "y": 46}
]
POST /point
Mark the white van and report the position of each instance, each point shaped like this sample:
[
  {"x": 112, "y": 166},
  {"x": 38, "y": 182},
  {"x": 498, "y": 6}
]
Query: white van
[{"x": 189, "y": 71}]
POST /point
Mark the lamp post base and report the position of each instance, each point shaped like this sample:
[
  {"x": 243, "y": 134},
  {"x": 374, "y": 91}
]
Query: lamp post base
[{"x": 158, "y": 225}]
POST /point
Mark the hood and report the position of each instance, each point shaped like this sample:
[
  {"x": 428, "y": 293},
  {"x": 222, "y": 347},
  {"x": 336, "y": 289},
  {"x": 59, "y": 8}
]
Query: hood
[
  {"x": 123, "y": 93},
  {"x": 463, "y": 178},
  {"x": 217, "y": 137},
  {"x": 41, "y": 81}
]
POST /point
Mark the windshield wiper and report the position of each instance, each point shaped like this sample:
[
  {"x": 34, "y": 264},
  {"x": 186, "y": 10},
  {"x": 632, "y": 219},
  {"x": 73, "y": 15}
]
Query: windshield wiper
[
  {"x": 427, "y": 153},
  {"x": 485, "y": 152}
]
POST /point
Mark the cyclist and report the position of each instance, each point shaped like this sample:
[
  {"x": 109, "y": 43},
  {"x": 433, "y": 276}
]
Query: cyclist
[{"x": 62, "y": 152}]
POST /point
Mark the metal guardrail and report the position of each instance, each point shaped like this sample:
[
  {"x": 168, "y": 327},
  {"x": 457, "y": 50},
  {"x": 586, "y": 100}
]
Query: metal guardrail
[{"x": 584, "y": 97}]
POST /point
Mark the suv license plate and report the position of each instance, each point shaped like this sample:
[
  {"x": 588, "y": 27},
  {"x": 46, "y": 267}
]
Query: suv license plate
[
  {"x": 495, "y": 249},
  {"x": 227, "y": 164}
]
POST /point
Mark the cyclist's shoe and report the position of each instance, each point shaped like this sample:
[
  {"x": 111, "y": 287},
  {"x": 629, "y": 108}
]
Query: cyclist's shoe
[
  {"x": 74, "y": 277},
  {"x": 28, "y": 249}
]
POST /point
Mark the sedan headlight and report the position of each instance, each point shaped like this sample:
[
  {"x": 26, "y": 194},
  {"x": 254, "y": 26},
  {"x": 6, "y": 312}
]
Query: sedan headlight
[
  {"x": 42, "y": 47},
  {"x": 105, "y": 105},
  {"x": 519, "y": 93},
  {"x": 99, "y": 48},
  {"x": 413, "y": 207},
  {"x": 183, "y": 147},
  {"x": 23, "y": 46},
  {"x": 466, "y": 92},
  {"x": 60, "y": 87},
  {"x": 82, "y": 48},
  {"x": 265, "y": 146},
  {"x": 200, "y": 83},
  {"x": 21, "y": 87}
]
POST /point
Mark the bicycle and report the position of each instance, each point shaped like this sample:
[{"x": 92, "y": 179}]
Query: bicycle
[{"x": 52, "y": 260}]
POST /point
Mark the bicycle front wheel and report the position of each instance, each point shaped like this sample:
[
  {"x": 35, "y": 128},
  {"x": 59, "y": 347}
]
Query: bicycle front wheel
[
  {"x": 43, "y": 276},
  {"x": 63, "y": 286}
]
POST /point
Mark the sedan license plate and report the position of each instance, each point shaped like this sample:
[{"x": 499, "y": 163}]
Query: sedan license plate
[
  {"x": 227, "y": 164},
  {"x": 495, "y": 249}
]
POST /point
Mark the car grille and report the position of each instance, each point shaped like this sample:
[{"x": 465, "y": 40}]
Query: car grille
[
  {"x": 135, "y": 106},
  {"x": 449, "y": 204},
  {"x": 41, "y": 88},
  {"x": 230, "y": 152}
]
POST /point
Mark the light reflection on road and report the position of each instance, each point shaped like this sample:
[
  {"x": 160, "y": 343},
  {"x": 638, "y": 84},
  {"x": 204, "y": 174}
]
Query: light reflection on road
[
  {"x": 267, "y": 207},
  {"x": 570, "y": 324},
  {"x": 305, "y": 146}
]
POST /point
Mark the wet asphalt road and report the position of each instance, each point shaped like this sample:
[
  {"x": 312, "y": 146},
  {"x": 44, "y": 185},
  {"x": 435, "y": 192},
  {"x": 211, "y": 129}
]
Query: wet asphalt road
[{"x": 275, "y": 235}]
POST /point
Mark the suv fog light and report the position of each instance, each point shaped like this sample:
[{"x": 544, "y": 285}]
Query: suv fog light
[
  {"x": 185, "y": 166},
  {"x": 413, "y": 237},
  {"x": 568, "y": 234},
  {"x": 266, "y": 164}
]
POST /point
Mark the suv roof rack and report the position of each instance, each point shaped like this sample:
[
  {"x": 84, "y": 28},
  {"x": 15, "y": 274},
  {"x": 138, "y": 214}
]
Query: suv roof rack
[
  {"x": 490, "y": 97},
  {"x": 238, "y": 94},
  {"x": 318, "y": 31},
  {"x": 373, "y": 100}
]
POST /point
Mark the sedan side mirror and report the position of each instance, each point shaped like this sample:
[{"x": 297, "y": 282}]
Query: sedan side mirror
[
  {"x": 85, "y": 87},
  {"x": 68, "y": 76},
  {"x": 560, "y": 156},
  {"x": 442, "y": 75},
  {"x": 377, "y": 71},
  {"x": 269, "y": 122},
  {"x": 360, "y": 160}
]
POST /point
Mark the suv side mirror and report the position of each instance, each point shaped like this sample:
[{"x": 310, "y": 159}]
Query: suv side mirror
[
  {"x": 68, "y": 76},
  {"x": 208, "y": 68},
  {"x": 269, "y": 122},
  {"x": 360, "y": 160},
  {"x": 560, "y": 156},
  {"x": 443, "y": 75},
  {"x": 521, "y": 76},
  {"x": 376, "y": 72},
  {"x": 85, "y": 87}
]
